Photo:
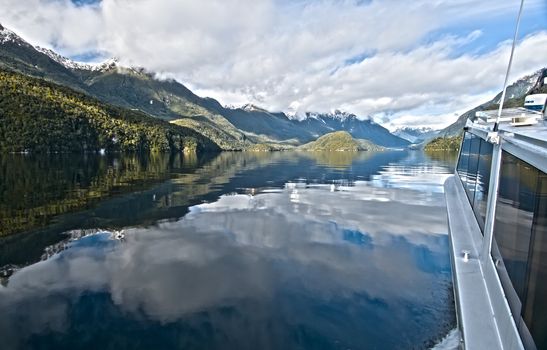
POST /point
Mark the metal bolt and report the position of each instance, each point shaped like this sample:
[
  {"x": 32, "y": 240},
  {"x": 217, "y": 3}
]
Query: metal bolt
[{"x": 466, "y": 254}]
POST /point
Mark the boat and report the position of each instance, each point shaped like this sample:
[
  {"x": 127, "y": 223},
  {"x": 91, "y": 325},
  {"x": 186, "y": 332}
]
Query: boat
[
  {"x": 497, "y": 217},
  {"x": 535, "y": 101}
]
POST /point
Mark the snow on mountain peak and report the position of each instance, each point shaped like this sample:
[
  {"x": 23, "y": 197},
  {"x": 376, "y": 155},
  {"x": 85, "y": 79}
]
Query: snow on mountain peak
[
  {"x": 293, "y": 115},
  {"x": 336, "y": 114},
  {"x": 7, "y": 35},
  {"x": 64, "y": 61},
  {"x": 106, "y": 65},
  {"x": 422, "y": 129},
  {"x": 111, "y": 63},
  {"x": 249, "y": 107},
  {"x": 415, "y": 134}
]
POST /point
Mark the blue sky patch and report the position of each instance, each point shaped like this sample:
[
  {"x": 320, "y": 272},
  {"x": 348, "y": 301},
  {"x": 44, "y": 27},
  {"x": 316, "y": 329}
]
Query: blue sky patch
[
  {"x": 85, "y": 2},
  {"x": 494, "y": 30},
  {"x": 92, "y": 56}
]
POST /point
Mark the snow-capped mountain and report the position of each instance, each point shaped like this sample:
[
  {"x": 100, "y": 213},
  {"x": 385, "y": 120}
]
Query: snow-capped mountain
[
  {"x": 336, "y": 114},
  {"x": 7, "y": 36},
  {"x": 137, "y": 89},
  {"x": 109, "y": 64},
  {"x": 415, "y": 135},
  {"x": 247, "y": 107},
  {"x": 66, "y": 62},
  {"x": 360, "y": 128},
  {"x": 309, "y": 126}
]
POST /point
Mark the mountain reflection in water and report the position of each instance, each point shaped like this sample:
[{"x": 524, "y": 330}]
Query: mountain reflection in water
[{"x": 276, "y": 251}]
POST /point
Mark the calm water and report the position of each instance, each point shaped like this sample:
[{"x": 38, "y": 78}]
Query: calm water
[{"x": 233, "y": 251}]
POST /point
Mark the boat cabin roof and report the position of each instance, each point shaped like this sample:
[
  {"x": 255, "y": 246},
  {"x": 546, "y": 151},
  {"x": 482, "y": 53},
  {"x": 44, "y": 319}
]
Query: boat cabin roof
[
  {"x": 523, "y": 133},
  {"x": 521, "y": 122}
]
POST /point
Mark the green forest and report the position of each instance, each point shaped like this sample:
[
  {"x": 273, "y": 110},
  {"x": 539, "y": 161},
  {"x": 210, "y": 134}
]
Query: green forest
[
  {"x": 444, "y": 144},
  {"x": 39, "y": 116},
  {"x": 340, "y": 141}
]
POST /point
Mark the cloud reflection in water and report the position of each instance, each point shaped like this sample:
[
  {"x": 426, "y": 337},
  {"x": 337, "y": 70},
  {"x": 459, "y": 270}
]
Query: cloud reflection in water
[{"x": 362, "y": 266}]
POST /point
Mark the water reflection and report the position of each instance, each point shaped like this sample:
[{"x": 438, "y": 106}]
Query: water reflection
[
  {"x": 339, "y": 160},
  {"x": 37, "y": 188},
  {"x": 113, "y": 192},
  {"x": 252, "y": 251}
]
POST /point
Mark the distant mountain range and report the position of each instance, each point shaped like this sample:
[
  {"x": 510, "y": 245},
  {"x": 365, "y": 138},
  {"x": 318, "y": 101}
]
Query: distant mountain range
[
  {"x": 138, "y": 90},
  {"x": 415, "y": 135}
]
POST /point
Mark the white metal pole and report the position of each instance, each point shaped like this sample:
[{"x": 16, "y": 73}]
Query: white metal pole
[
  {"x": 491, "y": 203},
  {"x": 496, "y": 160},
  {"x": 509, "y": 67}
]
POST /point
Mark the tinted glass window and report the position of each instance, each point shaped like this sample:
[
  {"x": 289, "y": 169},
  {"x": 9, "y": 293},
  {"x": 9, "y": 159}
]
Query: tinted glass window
[
  {"x": 514, "y": 214},
  {"x": 535, "y": 307},
  {"x": 474, "y": 172},
  {"x": 483, "y": 181},
  {"x": 520, "y": 234},
  {"x": 464, "y": 157},
  {"x": 472, "y": 167}
]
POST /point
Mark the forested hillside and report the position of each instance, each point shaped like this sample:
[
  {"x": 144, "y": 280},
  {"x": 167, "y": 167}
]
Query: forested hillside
[
  {"x": 340, "y": 141},
  {"x": 36, "y": 115},
  {"x": 451, "y": 143}
]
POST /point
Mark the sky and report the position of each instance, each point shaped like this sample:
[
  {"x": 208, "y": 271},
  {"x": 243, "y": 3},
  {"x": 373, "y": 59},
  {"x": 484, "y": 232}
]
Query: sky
[{"x": 403, "y": 63}]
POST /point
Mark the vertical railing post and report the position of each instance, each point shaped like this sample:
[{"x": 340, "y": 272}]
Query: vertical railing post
[
  {"x": 496, "y": 139},
  {"x": 492, "y": 199}
]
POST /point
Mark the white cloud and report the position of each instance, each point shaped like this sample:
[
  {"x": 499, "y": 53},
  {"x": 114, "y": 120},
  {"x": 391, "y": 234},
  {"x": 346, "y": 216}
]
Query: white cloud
[
  {"x": 47, "y": 23},
  {"x": 282, "y": 54}
]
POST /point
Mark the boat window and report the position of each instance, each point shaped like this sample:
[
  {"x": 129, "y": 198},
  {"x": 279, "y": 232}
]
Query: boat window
[
  {"x": 483, "y": 181},
  {"x": 464, "y": 158},
  {"x": 535, "y": 308},
  {"x": 472, "y": 167},
  {"x": 521, "y": 238},
  {"x": 474, "y": 171}
]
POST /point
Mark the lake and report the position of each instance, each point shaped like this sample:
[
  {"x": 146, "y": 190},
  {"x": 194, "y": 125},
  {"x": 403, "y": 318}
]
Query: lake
[{"x": 282, "y": 250}]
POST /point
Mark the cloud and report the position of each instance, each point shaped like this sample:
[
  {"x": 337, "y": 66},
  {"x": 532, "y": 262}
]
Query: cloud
[
  {"x": 60, "y": 24},
  {"x": 370, "y": 58},
  {"x": 427, "y": 79}
]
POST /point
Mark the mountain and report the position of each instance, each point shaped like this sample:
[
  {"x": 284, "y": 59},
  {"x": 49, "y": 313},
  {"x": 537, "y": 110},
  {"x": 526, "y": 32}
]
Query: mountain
[
  {"x": 319, "y": 124},
  {"x": 415, "y": 135},
  {"x": 18, "y": 55},
  {"x": 126, "y": 87},
  {"x": 339, "y": 141},
  {"x": 515, "y": 95},
  {"x": 70, "y": 64},
  {"x": 264, "y": 126},
  {"x": 139, "y": 90},
  {"x": 278, "y": 127},
  {"x": 36, "y": 115}
]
